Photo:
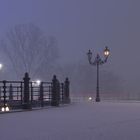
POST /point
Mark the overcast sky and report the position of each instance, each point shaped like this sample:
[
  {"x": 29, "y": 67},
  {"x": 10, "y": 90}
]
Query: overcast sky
[{"x": 79, "y": 25}]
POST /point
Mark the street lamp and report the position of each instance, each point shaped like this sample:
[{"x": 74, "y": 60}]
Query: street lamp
[
  {"x": 98, "y": 61},
  {"x": 36, "y": 83},
  {"x": 1, "y": 66}
]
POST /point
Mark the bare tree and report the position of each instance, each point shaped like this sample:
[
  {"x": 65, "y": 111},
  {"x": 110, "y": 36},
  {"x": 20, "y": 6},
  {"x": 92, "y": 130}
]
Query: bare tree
[{"x": 28, "y": 49}]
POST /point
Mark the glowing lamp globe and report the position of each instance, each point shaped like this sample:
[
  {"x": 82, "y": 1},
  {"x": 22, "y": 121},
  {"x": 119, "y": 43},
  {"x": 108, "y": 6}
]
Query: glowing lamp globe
[{"x": 106, "y": 52}]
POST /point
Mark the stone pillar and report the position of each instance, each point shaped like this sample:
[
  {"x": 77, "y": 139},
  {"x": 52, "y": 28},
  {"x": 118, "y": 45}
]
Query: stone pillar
[
  {"x": 55, "y": 96},
  {"x": 26, "y": 97},
  {"x": 62, "y": 92},
  {"x": 41, "y": 95},
  {"x": 11, "y": 93},
  {"x": 4, "y": 94}
]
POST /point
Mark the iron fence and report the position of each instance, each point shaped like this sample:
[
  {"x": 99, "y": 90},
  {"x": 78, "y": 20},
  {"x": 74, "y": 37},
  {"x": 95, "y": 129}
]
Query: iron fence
[{"x": 27, "y": 95}]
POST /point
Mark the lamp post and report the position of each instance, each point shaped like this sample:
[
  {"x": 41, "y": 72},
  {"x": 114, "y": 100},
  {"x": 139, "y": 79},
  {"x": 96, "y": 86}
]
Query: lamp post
[{"x": 98, "y": 61}]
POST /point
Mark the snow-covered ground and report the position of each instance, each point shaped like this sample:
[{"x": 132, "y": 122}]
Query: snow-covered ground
[{"x": 78, "y": 121}]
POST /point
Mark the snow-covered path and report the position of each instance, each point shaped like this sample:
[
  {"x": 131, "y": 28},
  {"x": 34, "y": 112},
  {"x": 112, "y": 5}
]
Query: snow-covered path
[{"x": 80, "y": 121}]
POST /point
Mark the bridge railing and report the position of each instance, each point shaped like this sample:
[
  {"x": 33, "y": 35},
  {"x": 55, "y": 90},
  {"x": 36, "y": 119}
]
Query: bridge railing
[{"x": 26, "y": 94}]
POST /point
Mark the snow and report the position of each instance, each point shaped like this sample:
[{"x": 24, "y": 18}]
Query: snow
[{"x": 77, "y": 121}]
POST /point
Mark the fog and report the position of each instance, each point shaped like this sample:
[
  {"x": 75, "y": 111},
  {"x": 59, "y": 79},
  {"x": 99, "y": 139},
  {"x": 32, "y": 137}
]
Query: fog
[{"x": 80, "y": 25}]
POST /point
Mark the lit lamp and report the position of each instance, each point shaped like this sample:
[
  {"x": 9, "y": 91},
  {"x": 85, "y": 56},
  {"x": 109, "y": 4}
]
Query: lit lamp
[
  {"x": 5, "y": 108},
  {"x": 98, "y": 61},
  {"x": 38, "y": 82},
  {"x": 106, "y": 53},
  {"x": 89, "y": 98},
  {"x": 1, "y": 66}
]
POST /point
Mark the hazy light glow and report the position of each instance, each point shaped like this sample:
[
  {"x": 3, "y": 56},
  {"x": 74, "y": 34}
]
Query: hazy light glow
[
  {"x": 106, "y": 51},
  {"x": 90, "y": 98},
  {"x": 3, "y": 109},
  {"x": 7, "y": 108},
  {"x": 1, "y": 66},
  {"x": 37, "y": 82}
]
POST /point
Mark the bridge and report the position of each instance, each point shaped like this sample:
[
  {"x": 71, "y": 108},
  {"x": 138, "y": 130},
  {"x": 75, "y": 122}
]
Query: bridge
[{"x": 76, "y": 121}]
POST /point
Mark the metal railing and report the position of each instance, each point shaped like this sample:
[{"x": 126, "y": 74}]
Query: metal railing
[{"x": 27, "y": 95}]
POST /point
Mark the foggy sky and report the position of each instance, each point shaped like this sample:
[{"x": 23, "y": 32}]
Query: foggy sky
[{"x": 79, "y": 25}]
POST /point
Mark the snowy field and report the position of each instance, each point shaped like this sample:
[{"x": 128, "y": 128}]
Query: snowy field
[{"x": 78, "y": 121}]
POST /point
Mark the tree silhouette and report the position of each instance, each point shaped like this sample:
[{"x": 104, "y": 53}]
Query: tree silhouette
[{"x": 29, "y": 49}]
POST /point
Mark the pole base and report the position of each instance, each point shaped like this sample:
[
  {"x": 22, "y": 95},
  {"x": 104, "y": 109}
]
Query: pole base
[
  {"x": 97, "y": 99},
  {"x": 26, "y": 106}
]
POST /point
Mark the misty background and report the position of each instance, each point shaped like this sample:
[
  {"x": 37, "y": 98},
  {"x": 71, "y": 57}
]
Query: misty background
[{"x": 77, "y": 26}]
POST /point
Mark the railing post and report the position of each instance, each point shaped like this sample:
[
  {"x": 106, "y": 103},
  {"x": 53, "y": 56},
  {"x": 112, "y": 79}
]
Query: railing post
[
  {"x": 50, "y": 91},
  {"x": 0, "y": 92},
  {"x": 58, "y": 91},
  {"x": 62, "y": 92},
  {"x": 11, "y": 93},
  {"x": 66, "y": 91},
  {"x": 4, "y": 94},
  {"x": 41, "y": 95},
  {"x": 55, "y": 92},
  {"x": 21, "y": 90},
  {"x": 32, "y": 93},
  {"x": 26, "y": 98},
  {"x": 17, "y": 93}
]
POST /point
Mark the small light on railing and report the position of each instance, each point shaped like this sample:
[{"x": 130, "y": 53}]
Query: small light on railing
[
  {"x": 5, "y": 108},
  {"x": 2, "y": 109}
]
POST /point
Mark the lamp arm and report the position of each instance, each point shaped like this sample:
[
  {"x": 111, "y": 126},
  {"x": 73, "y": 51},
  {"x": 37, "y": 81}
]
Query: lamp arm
[
  {"x": 101, "y": 62},
  {"x": 92, "y": 62},
  {"x": 105, "y": 60}
]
